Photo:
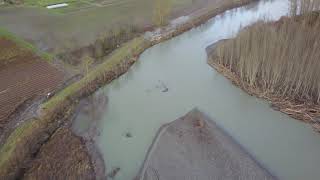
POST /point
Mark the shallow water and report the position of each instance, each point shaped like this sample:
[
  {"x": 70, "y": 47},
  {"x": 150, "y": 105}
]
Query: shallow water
[{"x": 138, "y": 105}]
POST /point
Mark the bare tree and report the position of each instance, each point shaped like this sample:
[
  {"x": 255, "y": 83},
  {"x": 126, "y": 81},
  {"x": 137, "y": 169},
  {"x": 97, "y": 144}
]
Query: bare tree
[
  {"x": 303, "y": 6},
  {"x": 161, "y": 12},
  {"x": 87, "y": 63},
  {"x": 280, "y": 58}
]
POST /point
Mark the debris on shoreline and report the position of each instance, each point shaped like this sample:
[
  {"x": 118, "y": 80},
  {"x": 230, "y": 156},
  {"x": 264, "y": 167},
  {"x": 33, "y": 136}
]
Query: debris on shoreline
[{"x": 114, "y": 172}]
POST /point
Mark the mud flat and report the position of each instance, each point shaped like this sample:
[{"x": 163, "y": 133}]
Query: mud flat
[{"x": 194, "y": 147}]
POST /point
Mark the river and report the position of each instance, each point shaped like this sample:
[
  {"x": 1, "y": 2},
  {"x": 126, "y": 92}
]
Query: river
[{"x": 173, "y": 77}]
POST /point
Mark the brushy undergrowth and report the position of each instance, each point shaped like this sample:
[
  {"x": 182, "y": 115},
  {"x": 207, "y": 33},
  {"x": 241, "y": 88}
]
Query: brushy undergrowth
[
  {"x": 128, "y": 50},
  {"x": 105, "y": 43}
]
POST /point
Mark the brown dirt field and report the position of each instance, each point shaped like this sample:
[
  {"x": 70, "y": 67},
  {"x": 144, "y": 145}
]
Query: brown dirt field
[
  {"x": 64, "y": 156},
  {"x": 23, "y": 75}
]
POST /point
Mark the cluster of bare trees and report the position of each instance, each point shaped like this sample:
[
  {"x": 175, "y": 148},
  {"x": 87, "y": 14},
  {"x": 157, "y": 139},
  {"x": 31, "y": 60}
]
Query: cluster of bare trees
[
  {"x": 282, "y": 58},
  {"x": 161, "y": 12},
  {"x": 303, "y": 6}
]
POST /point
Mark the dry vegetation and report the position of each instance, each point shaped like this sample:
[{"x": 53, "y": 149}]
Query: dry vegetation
[
  {"x": 299, "y": 7},
  {"x": 279, "y": 61},
  {"x": 64, "y": 156},
  {"x": 161, "y": 12},
  {"x": 104, "y": 44}
]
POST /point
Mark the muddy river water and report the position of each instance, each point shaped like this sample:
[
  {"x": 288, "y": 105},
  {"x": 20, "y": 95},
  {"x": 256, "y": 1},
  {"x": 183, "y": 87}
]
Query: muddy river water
[{"x": 173, "y": 77}]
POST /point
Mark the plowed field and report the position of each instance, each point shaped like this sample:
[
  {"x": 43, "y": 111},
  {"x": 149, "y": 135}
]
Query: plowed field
[{"x": 23, "y": 75}]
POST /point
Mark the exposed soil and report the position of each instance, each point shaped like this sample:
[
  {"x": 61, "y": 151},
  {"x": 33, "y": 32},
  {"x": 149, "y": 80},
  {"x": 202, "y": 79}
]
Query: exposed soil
[
  {"x": 64, "y": 156},
  {"x": 194, "y": 147},
  {"x": 23, "y": 76},
  {"x": 68, "y": 153},
  {"x": 304, "y": 111}
]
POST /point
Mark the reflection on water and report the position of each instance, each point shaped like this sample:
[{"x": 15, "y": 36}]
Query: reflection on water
[
  {"x": 90, "y": 112},
  {"x": 137, "y": 105}
]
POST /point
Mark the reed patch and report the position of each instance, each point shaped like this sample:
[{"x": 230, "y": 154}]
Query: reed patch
[{"x": 278, "y": 61}]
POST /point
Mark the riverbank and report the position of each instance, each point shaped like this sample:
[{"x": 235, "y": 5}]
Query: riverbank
[
  {"x": 29, "y": 137},
  {"x": 301, "y": 107},
  {"x": 193, "y": 146},
  {"x": 62, "y": 147}
]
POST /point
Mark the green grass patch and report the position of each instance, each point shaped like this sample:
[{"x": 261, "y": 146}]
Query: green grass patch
[
  {"x": 44, "y": 3},
  {"x": 23, "y": 44},
  {"x": 72, "y": 7}
]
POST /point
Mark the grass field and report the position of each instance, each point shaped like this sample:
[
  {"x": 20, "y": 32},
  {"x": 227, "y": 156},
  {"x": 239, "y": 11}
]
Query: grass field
[
  {"x": 44, "y": 3},
  {"x": 80, "y": 23},
  {"x": 83, "y": 5}
]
